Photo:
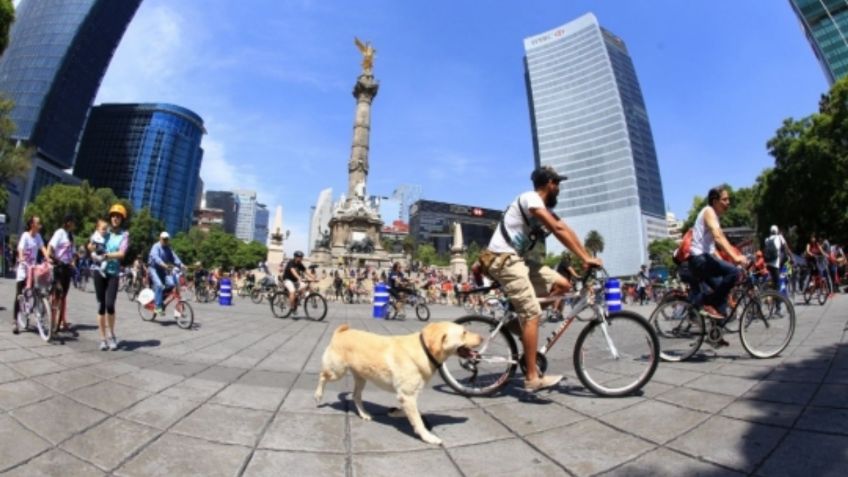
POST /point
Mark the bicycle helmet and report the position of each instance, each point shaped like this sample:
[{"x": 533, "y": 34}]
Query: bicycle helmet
[
  {"x": 118, "y": 209},
  {"x": 298, "y": 254}
]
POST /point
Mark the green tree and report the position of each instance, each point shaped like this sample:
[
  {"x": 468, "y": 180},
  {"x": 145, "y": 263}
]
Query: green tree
[
  {"x": 248, "y": 255},
  {"x": 594, "y": 242},
  {"x": 472, "y": 253},
  {"x": 14, "y": 160},
  {"x": 7, "y": 17},
  {"x": 740, "y": 214},
  {"x": 86, "y": 203},
  {"x": 426, "y": 254},
  {"x": 144, "y": 231},
  {"x": 661, "y": 252}
]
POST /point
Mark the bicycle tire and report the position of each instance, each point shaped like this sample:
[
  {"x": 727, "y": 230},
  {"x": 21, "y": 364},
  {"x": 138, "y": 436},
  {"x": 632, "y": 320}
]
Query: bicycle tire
[
  {"x": 422, "y": 312},
  {"x": 754, "y": 319},
  {"x": 315, "y": 306},
  {"x": 280, "y": 304},
  {"x": 183, "y": 314},
  {"x": 507, "y": 357},
  {"x": 256, "y": 295},
  {"x": 43, "y": 317},
  {"x": 808, "y": 294},
  {"x": 145, "y": 313},
  {"x": 821, "y": 295},
  {"x": 621, "y": 368},
  {"x": 680, "y": 329},
  {"x": 23, "y": 317}
]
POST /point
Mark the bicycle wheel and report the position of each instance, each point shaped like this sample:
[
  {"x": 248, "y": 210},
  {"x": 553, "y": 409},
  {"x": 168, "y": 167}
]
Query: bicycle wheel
[
  {"x": 183, "y": 314},
  {"x": 24, "y": 307},
  {"x": 491, "y": 366},
  {"x": 41, "y": 311},
  {"x": 821, "y": 295},
  {"x": 280, "y": 304},
  {"x": 315, "y": 307},
  {"x": 808, "y": 294},
  {"x": 767, "y": 325},
  {"x": 679, "y": 328},
  {"x": 256, "y": 295},
  {"x": 392, "y": 309},
  {"x": 422, "y": 312},
  {"x": 617, "y": 356},
  {"x": 146, "y": 314}
]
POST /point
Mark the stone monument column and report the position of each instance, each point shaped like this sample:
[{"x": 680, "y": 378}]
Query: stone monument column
[
  {"x": 364, "y": 91},
  {"x": 458, "y": 264}
]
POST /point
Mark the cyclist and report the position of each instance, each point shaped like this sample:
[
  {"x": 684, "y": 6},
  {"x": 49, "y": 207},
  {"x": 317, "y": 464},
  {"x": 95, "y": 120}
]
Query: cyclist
[
  {"x": 60, "y": 251},
  {"x": 523, "y": 280},
  {"x": 162, "y": 259},
  {"x": 293, "y": 274},
  {"x": 704, "y": 265},
  {"x": 397, "y": 285},
  {"x": 29, "y": 245},
  {"x": 200, "y": 275},
  {"x": 817, "y": 260}
]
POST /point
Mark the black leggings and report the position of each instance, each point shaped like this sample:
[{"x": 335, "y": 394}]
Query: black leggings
[
  {"x": 106, "y": 289},
  {"x": 19, "y": 288},
  {"x": 62, "y": 274}
]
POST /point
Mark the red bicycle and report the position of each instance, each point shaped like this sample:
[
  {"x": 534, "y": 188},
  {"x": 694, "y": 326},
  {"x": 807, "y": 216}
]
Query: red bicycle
[{"x": 183, "y": 313}]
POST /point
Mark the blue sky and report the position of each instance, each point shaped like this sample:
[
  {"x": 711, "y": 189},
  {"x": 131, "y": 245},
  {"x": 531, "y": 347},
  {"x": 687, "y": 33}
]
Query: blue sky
[{"x": 273, "y": 80}]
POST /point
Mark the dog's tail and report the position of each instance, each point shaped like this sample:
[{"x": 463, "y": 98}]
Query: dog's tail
[{"x": 341, "y": 328}]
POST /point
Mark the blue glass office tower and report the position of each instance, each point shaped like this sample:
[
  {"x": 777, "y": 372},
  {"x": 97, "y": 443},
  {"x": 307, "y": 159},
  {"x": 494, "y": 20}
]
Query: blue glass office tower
[
  {"x": 58, "y": 53},
  {"x": 826, "y": 25},
  {"x": 589, "y": 122},
  {"x": 148, "y": 153}
]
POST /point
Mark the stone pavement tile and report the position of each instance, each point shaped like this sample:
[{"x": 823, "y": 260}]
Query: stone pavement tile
[
  {"x": 749, "y": 371},
  {"x": 110, "y": 369},
  {"x": 178, "y": 368},
  {"x": 441, "y": 398},
  {"x": 656, "y": 421},
  {"x": 148, "y": 380},
  {"x": 526, "y": 418},
  {"x": 78, "y": 358},
  {"x": 592, "y": 405},
  {"x": 220, "y": 374},
  {"x": 306, "y": 432},
  {"x": 173, "y": 455},
  {"x": 384, "y": 434},
  {"x": 16, "y": 354},
  {"x": 194, "y": 389},
  {"x": 797, "y": 375},
  {"x": 411, "y": 464},
  {"x": 728, "y": 385},
  {"x": 507, "y": 457},
  {"x": 666, "y": 463},
  {"x": 18, "y": 443},
  {"x": 824, "y": 419},
  {"x": 806, "y": 453},
  {"x": 464, "y": 426},
  {"x": 735, "y": 444},
  {"x": 35, "y": 367},
  {"x": 110, "y": 442},
  {"x": 697, "y": 400},
  {"x": 802, "y": 361},
  {"x": 776, "y": 414},
  {"x": 251, "y": 396},
  {"x": 589, "y": 447},
  {"x": 68, "y": 380},
  {"x": 832, "y": 395},
  {"x": 141, "y": 360},
  {"x": 53, "y": 463},
  {"x": 160, "y": 411},
  {"x": 57, "y": 418},
  {"x": 835, "y": 376},
  {"x": 20, "y": 393},
  {"x": 787, "y": 393},
  {"x": 8, "y": 374},
  {"x": 224, "y": 424},
  {"x": 108, "y": 396},
  {"x": 669, "y": 375},
  {"x": 274, "y": 464},
  {"x": 301, "y": 397}
]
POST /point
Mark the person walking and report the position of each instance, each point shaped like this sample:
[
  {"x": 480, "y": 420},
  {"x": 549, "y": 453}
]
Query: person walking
[
  {"x": 776, "y": 253},
  {"x": 643, "y": 280},
  {"x": 106, "y": 284},
  {"x": 29, "y": 245}
]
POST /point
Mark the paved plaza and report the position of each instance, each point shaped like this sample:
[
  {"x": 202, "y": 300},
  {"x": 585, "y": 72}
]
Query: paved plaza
[{"x": 234, "y": 397}]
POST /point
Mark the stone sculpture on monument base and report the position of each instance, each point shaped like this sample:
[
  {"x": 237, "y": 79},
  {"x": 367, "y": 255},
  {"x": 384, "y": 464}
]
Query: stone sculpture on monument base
[{"x": 458, "y": 264}]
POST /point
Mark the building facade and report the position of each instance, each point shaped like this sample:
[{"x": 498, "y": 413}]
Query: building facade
[
  {"x": 431, "y": 222},
  {"x": 825, "y": 23},
  {"x": 205, "y": 219},
  {"x": 245, "y": 214},
  {"x": 225, "y": 201},
  {"x": 57, "y": 55},
  {"x": 589, "y": 122},
  {"x": 148, "y": 153},
  {"x": 260, "y": 231}
]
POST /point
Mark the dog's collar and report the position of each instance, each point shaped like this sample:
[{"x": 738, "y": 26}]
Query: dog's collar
[{"x": 430, "y": 356}]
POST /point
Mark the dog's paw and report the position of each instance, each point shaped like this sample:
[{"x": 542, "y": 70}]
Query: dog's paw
[
  {"x": 431, "y": 439},
  {"x": 318, "y": 398},
  {"x": 365, "y": 416},
  {"x": 396, "y": 412}
]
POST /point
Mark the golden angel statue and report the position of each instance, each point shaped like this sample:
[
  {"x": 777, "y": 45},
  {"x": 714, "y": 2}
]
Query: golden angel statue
[{"x": 367, "y": 54}]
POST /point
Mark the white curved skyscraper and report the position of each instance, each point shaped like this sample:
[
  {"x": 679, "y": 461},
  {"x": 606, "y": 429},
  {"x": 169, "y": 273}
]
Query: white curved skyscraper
[
  {"x": 321, "y": 215},
  {"x": 590, "y": 123}
]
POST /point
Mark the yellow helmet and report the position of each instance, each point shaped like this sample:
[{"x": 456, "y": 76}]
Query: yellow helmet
[{"x": 118, "y": 209}]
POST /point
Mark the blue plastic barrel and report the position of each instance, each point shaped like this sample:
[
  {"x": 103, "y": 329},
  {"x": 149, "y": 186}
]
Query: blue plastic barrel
[
  {"x": 381, "y": 300},
  {"x": 612, "y": 294},
  {"x": 225, "y": 292}
]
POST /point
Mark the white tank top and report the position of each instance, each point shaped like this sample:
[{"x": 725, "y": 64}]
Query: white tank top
[{"x": 702, "y": 239}]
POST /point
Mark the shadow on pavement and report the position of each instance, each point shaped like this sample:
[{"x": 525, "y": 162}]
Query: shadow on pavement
[{"x": 134, "y": 345}]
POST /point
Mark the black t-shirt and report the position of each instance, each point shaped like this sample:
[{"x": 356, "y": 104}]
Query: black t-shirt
[
  {"x": 287, "y": 273},
  {"x": 563, "y": 266},
  {"x": 395, "y": 279}
]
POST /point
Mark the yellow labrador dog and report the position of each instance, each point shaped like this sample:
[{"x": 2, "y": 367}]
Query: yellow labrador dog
[{"x": 401, "y": 364}]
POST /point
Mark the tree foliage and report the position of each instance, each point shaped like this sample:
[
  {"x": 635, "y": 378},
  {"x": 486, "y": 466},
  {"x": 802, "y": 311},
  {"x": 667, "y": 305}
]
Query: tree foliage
[
  {"x": 740, "y": 214},
  {"x": 14, "y": 160},
  {"x": 86, "y": 203},
  {"x": 472, "y": 253},
  {"x": 661, "y": 252},
  {"x": 144, "y": 232},
  {"x": 594, "y": 242},
  {"x": 217, "y": 248}
]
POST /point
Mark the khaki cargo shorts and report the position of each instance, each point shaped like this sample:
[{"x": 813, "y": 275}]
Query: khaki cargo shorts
[{"x": 523, "y": 282}]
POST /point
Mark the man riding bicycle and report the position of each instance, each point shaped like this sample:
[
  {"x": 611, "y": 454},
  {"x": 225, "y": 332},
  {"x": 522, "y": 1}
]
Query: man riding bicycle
[
  {"x": 160, "y": 263},
  {"x": 397, "y": 284},
  {"x": 527, "y": 220},
  {"x": 293, "y": 276}
]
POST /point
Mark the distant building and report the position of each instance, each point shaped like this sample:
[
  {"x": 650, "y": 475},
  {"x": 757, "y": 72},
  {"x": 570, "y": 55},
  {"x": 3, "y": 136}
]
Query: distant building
[
  {"x": 260, "y": 233},
  {"x": 322, "y": 212},
  {"x": 674, "y": 227},
  {"x": 57, "y": 55},
  {"x": 198, "y": 194},
  {"x": 431, "y": 222},
  {"x": 205, "y": 219},
  {"x": 825, "y": 23},
  {"x": 245, "y": 214},
  {"x": 149, "y": 153},
  {"x": 226, "y": 201},
  {"x": 589, "y": 122}
]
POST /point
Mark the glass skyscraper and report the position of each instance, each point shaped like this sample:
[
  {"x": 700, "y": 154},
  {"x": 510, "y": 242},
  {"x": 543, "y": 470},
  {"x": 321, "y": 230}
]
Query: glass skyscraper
[
  {"x": 589, "y": 122},
  {"x": 826, "y": 25},
  {"x": 148, "y": 153}
]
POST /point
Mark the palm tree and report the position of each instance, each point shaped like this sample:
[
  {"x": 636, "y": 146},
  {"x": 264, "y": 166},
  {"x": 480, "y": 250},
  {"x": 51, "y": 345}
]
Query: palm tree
[{"x": 594, "y": 242}]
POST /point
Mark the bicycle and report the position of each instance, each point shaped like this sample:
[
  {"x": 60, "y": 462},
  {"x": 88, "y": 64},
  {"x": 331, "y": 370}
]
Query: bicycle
[
  {"x": 265, "y": 288},
  {"x": 765, "y": 322},
  {"x": 355, "y": 293},
  {"x": 183, "y": 313},
  {"x": 396, "y": 309},
  {"x": 36, "y": 302},
  {"x": 314, "y": 305},
  {"x": 816, "y": 286},
  {"x": 616, "y": 354}
]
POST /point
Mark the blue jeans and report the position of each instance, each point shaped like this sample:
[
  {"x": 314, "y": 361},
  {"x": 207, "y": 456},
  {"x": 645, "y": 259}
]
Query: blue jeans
[
  {"x": 160, "y": 281},
  {"x": 718, "y": 275}
]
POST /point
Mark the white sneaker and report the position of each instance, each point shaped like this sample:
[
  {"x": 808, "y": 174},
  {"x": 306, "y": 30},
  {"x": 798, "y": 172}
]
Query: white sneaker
[
  {"x": 103, "y": 346},
  {"x": 113, "y": 344}
]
